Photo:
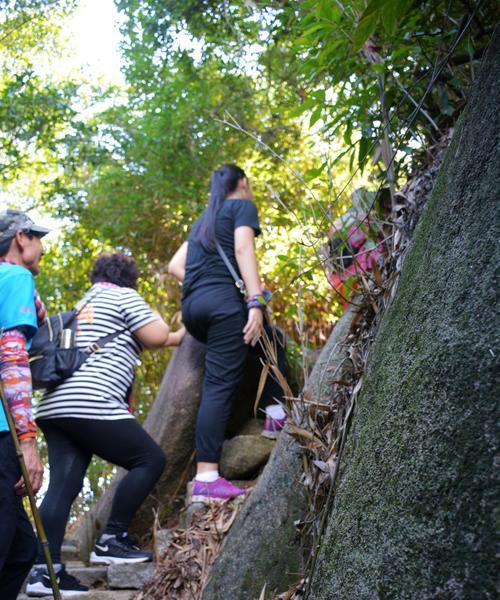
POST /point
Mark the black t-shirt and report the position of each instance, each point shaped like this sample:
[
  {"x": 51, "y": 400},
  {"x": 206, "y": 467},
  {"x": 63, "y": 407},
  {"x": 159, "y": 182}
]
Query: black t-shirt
[{"x": 207, "y": 268}]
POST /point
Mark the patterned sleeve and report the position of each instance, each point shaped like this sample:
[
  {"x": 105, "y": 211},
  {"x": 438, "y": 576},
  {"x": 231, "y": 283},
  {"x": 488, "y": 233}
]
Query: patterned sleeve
[
  {"x": 245, "y": 214},
  {"x": 136, "y": 311},
  {"x": 15, "y": 375}
]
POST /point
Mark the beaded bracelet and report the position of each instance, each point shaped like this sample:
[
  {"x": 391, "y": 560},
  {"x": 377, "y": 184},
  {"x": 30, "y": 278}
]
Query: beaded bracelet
[{"x": 259, "y": 300}]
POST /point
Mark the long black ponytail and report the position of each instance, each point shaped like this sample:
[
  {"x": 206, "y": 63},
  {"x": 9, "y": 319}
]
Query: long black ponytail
[{"x": 223, "y": 182}]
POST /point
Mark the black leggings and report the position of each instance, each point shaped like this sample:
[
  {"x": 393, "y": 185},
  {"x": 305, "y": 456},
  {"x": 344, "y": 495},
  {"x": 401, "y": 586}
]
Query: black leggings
[
  {"x": 17, "y": 540},
  {"x": 71, "y": 443},
  {"x": 216, "y": 315}
]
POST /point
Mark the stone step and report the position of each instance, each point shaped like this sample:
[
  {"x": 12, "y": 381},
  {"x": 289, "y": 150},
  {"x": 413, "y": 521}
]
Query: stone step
[
  {"x": 74, "y": 564},
  {"x": 131, "y": 576},
  {"x": 243, "y": 456},
  {"x": 94, "y": 576},
  {"x": 94, "y": 595},
  {"x": 69, "y": 551},
  {"x": 119, "y": 577}
]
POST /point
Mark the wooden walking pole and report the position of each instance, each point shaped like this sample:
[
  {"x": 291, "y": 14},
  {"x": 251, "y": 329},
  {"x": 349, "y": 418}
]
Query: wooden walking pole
[{"x": 42, "y": 538}]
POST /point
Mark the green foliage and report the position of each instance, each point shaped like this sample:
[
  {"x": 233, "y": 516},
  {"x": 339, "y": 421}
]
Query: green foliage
[
  {"x": 355, "y": 54},
  {"x": 388, "y": 13},
  {"x": 33, "y": 112},
  {"x": 32, "y": 108},
  {"x": 293, "y": 91}
]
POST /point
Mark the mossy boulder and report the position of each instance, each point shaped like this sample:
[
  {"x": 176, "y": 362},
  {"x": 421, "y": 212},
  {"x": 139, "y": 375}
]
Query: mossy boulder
[{"x": 414, "y": 511}]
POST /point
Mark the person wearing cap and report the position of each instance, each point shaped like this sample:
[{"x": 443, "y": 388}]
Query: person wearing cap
[{"x": 21, "y": 312}]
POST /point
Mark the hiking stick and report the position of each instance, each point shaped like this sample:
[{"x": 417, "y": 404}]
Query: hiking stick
[{"x": 34, "y": 510}]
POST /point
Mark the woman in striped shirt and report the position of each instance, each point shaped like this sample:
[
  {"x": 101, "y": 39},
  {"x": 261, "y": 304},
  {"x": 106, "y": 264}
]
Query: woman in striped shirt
[{"x": 89, "y": 414}]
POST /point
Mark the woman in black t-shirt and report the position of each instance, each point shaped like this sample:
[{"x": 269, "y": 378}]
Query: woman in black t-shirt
[{"x": 216, "y": 313}]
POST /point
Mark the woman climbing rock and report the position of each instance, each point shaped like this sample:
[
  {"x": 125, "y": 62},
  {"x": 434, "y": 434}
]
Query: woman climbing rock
[
  {"x": 89, "y": 414},
  {"x": 216, "y": 314}
]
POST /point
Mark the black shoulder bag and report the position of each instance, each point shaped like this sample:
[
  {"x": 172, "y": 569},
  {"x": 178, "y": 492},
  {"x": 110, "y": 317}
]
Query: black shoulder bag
[{"x": 52, "y": 364}]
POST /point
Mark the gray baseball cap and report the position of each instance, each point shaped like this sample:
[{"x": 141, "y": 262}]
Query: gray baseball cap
[{"x": 12, "y": 221}]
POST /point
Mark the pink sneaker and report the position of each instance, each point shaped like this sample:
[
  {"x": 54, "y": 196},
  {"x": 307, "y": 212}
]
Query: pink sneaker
[
  {"x": 216, "y": 491},
  {"x": 272, "y": 427}
]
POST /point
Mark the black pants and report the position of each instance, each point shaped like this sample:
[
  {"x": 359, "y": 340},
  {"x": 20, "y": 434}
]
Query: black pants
[
  {"x": 216, "y": 315},
  {"x": 17, "y": 540},
  {"x": 71, "y": 443}
]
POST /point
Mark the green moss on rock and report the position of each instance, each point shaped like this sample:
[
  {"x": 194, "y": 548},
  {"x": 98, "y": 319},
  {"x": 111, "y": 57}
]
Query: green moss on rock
[{"x": 414, "y": 512}]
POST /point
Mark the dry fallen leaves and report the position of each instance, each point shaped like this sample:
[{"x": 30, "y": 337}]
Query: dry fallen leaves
[{"x": 183, "y": 569}]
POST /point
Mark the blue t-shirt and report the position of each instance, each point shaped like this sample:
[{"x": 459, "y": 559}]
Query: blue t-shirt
[{"x": 17, "y": 306}]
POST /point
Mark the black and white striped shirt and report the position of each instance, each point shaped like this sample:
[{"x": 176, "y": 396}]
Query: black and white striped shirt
[{"x": 98, "y": 390}]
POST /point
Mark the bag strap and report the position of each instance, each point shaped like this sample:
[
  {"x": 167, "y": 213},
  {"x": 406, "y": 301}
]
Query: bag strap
[
  {"x": 101, "y": 342},
  {"x": 238, "y": 281}
]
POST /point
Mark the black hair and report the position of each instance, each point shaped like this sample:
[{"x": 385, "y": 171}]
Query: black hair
[
  {"x": 115, "y": 268},
  {"x": 223, "y": 182},
  {"x": 5, "y": 247}
]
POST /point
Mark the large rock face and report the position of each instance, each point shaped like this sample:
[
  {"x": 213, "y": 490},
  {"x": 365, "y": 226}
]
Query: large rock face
[
  {"x": 243, "y": 455},
  {"x": 263, "y": 547},
  {"x": 414, "y": 512}
]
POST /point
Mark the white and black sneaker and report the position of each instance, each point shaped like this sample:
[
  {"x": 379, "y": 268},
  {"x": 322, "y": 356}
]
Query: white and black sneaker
[
  {"x": 39, "y": 584},
  {"x": 118, "y": 549}
]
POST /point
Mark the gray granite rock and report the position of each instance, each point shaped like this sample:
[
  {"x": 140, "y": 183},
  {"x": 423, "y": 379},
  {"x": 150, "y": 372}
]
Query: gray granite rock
[
  {"x": 131, "y": 576},
  {"x": 91, "y": 576},
  {"x": 252, "y": 427},
  {"x": 243, "y": 455},
  {"x": 415, "y": 512},
  {"x": 163, "y": 539}
]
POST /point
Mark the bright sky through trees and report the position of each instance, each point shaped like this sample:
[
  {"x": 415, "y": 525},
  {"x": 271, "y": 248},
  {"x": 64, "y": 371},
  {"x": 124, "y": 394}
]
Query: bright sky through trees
[
  {"x": 89, "y": 50},
  {"x": 94, "y": 37}
]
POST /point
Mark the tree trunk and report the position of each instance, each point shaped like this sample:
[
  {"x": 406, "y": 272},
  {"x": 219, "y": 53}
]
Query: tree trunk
[{"x": 413, "y": 514}]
